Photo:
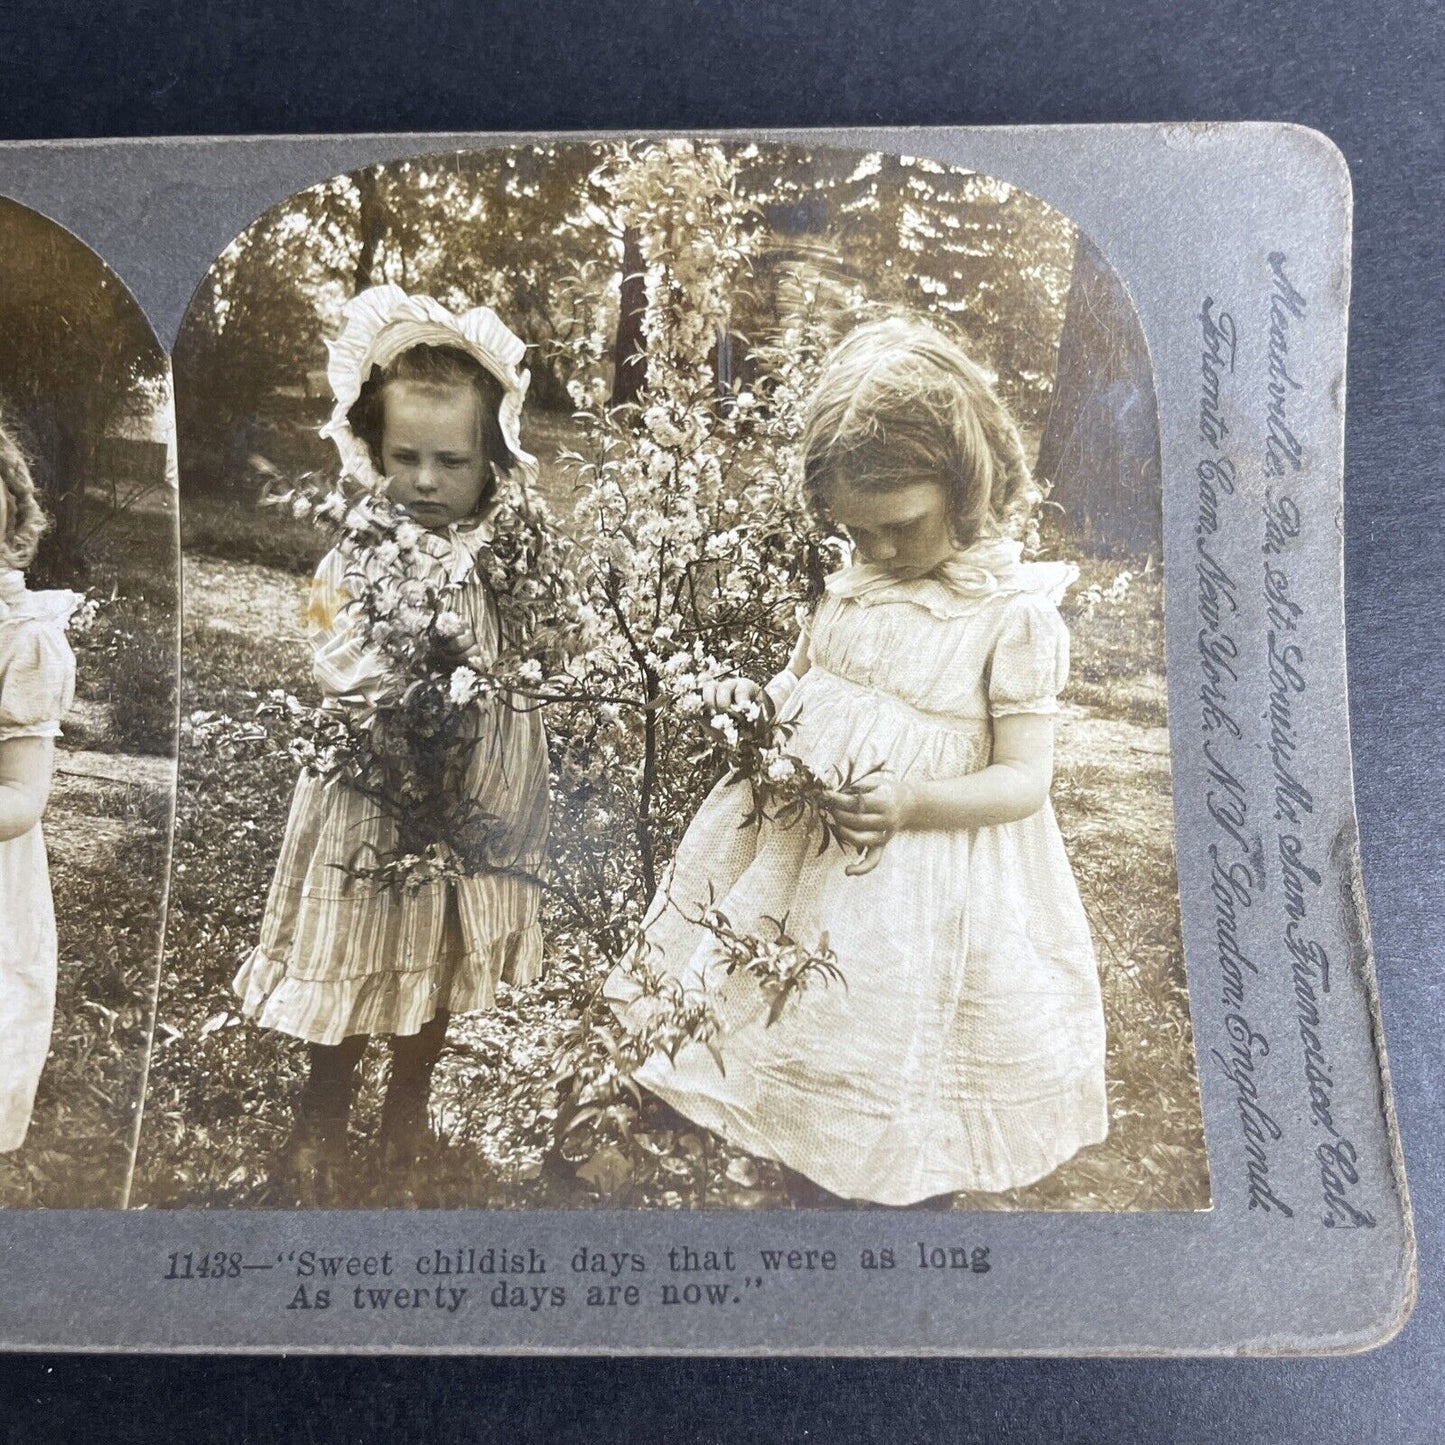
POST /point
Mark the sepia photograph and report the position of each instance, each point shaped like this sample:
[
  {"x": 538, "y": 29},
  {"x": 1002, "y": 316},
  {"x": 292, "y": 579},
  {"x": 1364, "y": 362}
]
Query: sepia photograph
[
  {"x": 673, "y": 704},
  {"x": 88, "y": 664}
]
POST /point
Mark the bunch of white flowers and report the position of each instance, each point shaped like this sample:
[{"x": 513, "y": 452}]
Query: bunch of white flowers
[
  {"x": 463, "y": 686},
  {"x": 1094, "y": 596}
]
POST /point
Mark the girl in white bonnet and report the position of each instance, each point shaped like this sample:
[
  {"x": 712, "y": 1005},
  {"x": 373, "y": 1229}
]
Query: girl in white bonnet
[{"x": 427, "y": 412}]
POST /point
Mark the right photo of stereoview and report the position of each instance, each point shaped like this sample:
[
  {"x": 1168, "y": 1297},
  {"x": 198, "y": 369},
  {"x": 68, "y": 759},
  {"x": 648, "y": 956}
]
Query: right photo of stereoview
[{"x": 674, "y": 707}]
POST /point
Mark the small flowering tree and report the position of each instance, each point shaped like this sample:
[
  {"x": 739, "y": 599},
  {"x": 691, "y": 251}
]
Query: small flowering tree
[{"x": 696, "y": 560}]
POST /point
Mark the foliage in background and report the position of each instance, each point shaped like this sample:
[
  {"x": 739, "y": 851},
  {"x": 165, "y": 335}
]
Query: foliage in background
[
  {"x": 532, "y": 231},
  {"x": 79, "y": 361}
]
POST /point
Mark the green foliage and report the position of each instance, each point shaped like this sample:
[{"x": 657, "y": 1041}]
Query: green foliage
[
  {"x": 79, "y": 359},
  {"x": 1109, "y": 676},
  {"x": 532, "y": 231},
  {"x": 504, "y": 228},
  {"x": 986, "y": 256}
]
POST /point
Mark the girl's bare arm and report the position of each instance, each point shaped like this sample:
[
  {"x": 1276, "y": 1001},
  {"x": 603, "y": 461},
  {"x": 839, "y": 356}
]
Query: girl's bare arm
[
  {"x": 1013, "y": 786},
  {"x": 798, "y": 663},
  {"x": 25, "y": 769}
]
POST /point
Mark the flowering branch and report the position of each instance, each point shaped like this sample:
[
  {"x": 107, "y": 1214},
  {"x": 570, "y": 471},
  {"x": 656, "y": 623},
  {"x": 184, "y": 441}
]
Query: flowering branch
[{"x": 785, "y": 790}]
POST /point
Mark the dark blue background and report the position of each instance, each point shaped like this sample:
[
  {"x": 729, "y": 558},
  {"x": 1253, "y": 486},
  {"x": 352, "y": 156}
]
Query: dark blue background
[{"x": 1371, "y": 78}]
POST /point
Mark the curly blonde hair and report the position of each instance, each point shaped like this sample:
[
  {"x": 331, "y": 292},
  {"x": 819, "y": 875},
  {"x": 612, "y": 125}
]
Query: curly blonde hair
[
  {"x": 899, "y": 402},
  {"x": 22, "y": 519}
]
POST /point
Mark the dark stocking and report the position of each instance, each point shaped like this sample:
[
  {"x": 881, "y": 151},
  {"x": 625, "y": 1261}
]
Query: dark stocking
[
  {"x": 404, "y": 1113},
  {"x": 325, "y": 1101},
  {"x": 317, "y": 1148}
]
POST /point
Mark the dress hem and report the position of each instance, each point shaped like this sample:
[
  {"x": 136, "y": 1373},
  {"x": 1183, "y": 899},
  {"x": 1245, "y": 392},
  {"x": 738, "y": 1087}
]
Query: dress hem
[
  {"x": 1033, "y": 1138},
  {"x": 326, "y": 1011}
]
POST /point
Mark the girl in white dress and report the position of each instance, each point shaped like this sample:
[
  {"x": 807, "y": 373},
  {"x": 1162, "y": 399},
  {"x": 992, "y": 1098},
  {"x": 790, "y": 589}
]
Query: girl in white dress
[
  {"x": 37, "y": 683},
  {"x": 428, "y": 412},
  {"x": 966, "y": 1051}
]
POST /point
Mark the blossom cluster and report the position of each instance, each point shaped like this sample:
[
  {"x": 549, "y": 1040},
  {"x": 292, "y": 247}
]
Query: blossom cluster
[
  {"x": 86, "y": 614},
  {"x": 405, "y": 743},
  {"x": 786, "y": 792},
  {"x": 694, "y": 552},
  {"x": 222, "y": 735},
  {"x": 781, "y": 966},
  {"x": 1094, "y": 596},
  {"x": 593, "y": 1071}
]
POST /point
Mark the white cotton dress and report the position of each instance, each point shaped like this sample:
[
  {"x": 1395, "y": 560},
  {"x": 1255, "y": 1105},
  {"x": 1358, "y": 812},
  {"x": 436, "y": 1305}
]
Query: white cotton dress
[
  {"x": 339, "y": 957},
  {"x": 966, "y": 1051},
  {"x": 37, "y": 684}
]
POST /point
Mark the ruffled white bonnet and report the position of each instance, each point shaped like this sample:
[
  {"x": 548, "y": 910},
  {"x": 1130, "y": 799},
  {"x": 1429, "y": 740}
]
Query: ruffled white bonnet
[{"x": 381, "y": 323}]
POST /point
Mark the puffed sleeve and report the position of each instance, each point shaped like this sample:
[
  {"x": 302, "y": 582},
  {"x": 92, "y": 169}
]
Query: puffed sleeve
[
  {"x": 38, "y": 681},
  {"x": 1030, "y": 660},
  {"x": 341, "y": 662}
]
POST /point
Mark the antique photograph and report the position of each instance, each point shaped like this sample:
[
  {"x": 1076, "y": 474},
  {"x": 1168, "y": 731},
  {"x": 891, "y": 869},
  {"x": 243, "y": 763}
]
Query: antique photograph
[
  {"x": 88, "y": 663},
  {"x": 673, "y": 706}
]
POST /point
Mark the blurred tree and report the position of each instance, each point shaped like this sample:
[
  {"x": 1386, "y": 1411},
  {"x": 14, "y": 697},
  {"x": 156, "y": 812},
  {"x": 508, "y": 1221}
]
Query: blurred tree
[
  {"x": 990, "y": 259},
  {"x": 526, "y": 229},
  {"x": 78, "y": 359},
  {"x": 256, "y": 324},
  {"x": 373, "y": 222},
  {"x": 1100, "y": 447}
]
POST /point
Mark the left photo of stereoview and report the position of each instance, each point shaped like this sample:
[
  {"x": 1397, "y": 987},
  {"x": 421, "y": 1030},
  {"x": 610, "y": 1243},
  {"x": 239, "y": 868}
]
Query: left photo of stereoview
[{"x": 88, "y": 666}]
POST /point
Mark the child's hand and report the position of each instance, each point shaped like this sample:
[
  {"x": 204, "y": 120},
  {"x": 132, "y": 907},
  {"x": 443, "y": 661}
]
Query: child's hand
[
  {"x": 866, "y": 817},
  {"x": 735, "y": 695},
  {"x": 463, "y": 646}
]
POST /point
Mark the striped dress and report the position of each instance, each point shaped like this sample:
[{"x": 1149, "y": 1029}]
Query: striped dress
[{"x": 339, "y": 956}]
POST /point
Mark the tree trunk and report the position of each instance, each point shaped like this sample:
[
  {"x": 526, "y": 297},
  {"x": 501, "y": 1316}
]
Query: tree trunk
[
  {"x": 372, "y": 225},
  {"x": 629, "y": 358},
  {"x": 1100, "y": 446},
  {"x": 63, "y": 463}
]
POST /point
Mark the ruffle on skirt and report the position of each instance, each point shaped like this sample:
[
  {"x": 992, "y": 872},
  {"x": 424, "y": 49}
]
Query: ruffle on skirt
[
  {"x": 985, "y": 1146},
  {"x": 388, "y": 1001}
]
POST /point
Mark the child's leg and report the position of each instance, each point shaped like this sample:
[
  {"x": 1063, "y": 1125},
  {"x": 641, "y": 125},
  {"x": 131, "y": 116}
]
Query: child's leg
[
  {"x": 413, "y": 1057},
  {"x": 324, "y": 1105},
  {"x": 317, "y": 1148},
  {"x": 404, "y": 1113}
]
